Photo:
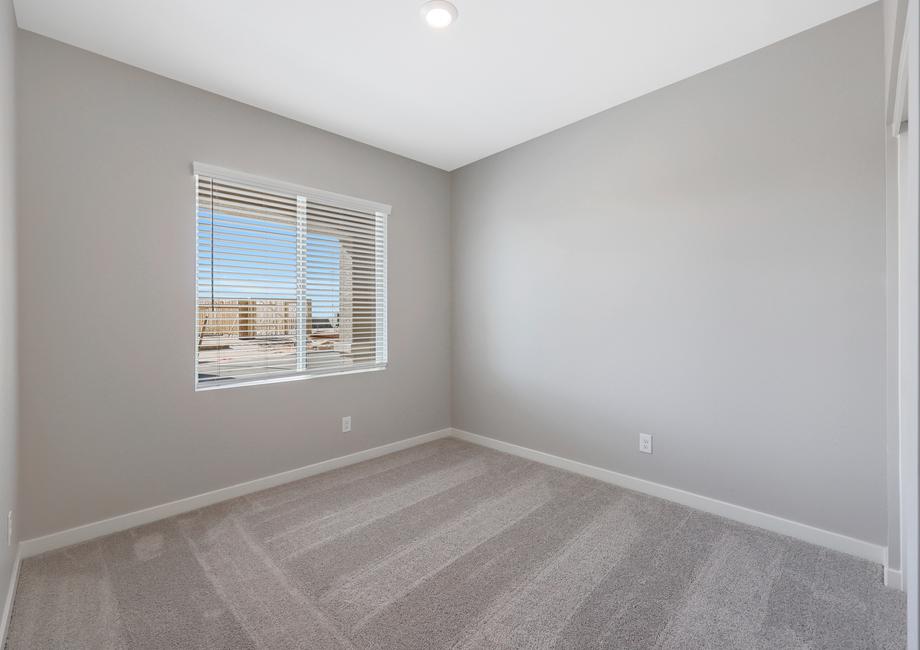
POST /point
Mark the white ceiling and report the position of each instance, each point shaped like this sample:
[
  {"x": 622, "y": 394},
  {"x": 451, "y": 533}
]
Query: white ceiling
[{"x": 505, "y": 72}]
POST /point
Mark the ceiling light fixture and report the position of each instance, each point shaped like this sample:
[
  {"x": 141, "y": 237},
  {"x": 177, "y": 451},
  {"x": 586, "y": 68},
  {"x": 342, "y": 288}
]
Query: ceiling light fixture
[{"x": 439, "y": 13}]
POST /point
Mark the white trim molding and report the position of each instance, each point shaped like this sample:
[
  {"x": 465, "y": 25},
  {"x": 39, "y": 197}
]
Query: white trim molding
[
  {"x": 10, "y": 594},
  {"x": 893, "y": 578},
  {"x": 836, "y": 541},
  {"x": 804, "y": 532},
  {"x": 39, "y": 545},
  {"x": 910, "y": 224}
]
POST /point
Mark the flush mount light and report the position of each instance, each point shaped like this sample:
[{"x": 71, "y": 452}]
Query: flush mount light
[{"x": 439, "y": 13}]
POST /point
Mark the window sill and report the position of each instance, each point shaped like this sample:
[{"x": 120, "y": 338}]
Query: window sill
[{"x": 279, "y": 380}]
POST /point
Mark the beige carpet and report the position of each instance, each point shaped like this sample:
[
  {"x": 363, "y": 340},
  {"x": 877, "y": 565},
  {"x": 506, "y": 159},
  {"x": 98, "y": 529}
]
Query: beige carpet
[{"x": 449, "y": 545}]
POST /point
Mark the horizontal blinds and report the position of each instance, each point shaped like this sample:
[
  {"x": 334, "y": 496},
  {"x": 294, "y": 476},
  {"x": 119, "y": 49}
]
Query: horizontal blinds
[{"x": 288, "y": 283}]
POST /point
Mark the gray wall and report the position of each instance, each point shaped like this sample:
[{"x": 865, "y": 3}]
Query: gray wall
[
  {"x": 705, "y": 264},
  {"x": 8, "y": 394},
  {"x": 110, "y": 420}
]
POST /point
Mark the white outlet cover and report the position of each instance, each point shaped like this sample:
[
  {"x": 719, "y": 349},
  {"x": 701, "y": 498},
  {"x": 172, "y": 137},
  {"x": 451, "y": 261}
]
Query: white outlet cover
[
  {"x": 645, "y": 443},
  {"x": 346, "y": 424}
]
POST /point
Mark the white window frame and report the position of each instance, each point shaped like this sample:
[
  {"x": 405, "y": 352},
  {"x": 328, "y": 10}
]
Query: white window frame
[{"x": 304, "y": 194}]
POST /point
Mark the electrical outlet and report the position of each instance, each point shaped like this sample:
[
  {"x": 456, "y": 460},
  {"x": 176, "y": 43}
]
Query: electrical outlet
[
  {"x": 9, "y": 528},
  {"x": 346, "y": 424},
  {"x": 645, "y": 443}
]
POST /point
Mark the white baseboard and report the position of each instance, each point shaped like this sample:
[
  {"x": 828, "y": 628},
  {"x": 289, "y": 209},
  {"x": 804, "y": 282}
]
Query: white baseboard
[
  {"x": 10, "y": 593},
  {"x": 893, "y": 578},
  {"x": 39, "y": 545},
  {"x": 804, "y": 532}
]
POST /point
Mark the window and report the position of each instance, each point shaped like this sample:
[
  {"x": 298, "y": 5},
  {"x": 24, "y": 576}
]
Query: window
[{"x": 291, "y": 282}]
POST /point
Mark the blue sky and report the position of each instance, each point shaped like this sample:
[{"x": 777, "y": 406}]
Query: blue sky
[{"x": 268, "y": 268}]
